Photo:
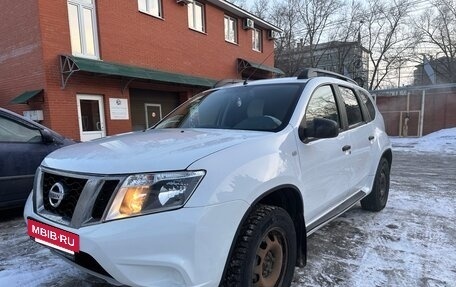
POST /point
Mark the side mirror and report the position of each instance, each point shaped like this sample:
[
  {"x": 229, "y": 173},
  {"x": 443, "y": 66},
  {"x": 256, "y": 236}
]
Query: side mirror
[
  {"x": 47, "y": 136},
  {"x": 320, "y": 128}
]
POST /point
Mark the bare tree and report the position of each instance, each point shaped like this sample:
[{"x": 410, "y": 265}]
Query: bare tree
[
  {"x": 315, "y": 17},
  {"x": 312, "y": 28},
  {"x": 240, "y": 3},
  {"x": 346, "y": 30},
  {"x": 304, "y": 23},
  {"x": 386, "y": 37},
  {"x": 437, "y": 27},
  {"x": 260, "y": 8},
  {"x": 285, "y": 14}
]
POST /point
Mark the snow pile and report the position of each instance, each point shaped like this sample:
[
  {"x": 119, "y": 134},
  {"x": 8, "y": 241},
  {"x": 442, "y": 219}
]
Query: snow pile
[{"x": 443, "y": 141}]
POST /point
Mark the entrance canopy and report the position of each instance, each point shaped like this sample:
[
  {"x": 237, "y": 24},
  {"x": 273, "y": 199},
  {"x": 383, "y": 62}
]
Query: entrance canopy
[
  {"x": 71, "y": 64},
  {"x": 25, "y": 97},
  {"x": 245, "y": 64}
]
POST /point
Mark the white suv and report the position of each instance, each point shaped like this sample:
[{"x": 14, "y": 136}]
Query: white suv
[{"x": 223, "y": 191}]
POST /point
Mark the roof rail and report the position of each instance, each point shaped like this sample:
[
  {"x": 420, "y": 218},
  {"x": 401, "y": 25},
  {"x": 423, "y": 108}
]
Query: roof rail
[
  {"x": 225, "y": 82},
  {"x": 312, "y": 73}
]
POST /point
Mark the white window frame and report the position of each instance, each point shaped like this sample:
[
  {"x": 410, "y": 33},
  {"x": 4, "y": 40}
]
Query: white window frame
[
  {"x": 228, "y": 31},
  {"x": 148, "y": 7},
  {"x": 257, "y": 40},
  {"x": 80, "y": 5},
  {"x": 192, "y": 19}
]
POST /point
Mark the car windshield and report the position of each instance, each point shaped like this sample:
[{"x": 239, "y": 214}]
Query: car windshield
[{"x": 249, "y": 107}]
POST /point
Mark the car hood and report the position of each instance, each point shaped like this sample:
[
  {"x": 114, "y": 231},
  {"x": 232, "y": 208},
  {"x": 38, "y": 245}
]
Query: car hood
[{"x": 147, "y": 151}]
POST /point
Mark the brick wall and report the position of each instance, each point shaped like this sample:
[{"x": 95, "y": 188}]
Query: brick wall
[
  {"x": 20, "y": 51},
  {"x": 35, "y": 33},
  {"x": 129, "y": 36}
]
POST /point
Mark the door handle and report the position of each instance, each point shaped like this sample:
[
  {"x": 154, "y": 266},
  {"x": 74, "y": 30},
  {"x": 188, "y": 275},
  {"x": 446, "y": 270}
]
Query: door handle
[
  {"x": 346, "y": 148},
  {"x": 371, "y": 138}
]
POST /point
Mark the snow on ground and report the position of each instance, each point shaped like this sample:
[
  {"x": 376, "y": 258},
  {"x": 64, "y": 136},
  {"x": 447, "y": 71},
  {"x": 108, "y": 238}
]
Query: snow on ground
[
  {"x": 410, "y": 243},
  {"x": 443, "y": 141}
]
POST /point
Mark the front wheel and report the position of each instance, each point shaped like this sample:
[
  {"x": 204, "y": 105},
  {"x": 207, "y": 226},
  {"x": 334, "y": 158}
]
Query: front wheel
[
  {"x": 265, "y": 250},
  {"x": 376, "y": 200}
]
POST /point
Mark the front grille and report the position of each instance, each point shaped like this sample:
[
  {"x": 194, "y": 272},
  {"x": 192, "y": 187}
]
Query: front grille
[
  {"x": 103, "y": 198},
  {"x": 74, "y": 200},
  {"x": 73, "y": 186}
]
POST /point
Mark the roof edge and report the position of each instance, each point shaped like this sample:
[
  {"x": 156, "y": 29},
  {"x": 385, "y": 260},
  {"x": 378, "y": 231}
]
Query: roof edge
[{"x": 243, "y": 13}]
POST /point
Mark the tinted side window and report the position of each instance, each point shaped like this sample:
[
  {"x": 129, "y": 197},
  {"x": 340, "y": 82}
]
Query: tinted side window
[
  {"x": 368, "y": 103},
  {"x": 352, "y": 107},
  {"x": 322, "y": 105},
  {"x": 11, "y": 131}
]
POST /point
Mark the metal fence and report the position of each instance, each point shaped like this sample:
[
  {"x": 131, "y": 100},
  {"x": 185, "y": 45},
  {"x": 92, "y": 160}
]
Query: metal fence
[{"x": 417, "y": 110}]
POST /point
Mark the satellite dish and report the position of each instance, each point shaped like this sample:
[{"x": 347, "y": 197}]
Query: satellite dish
[{"x": 358, "y": 63}]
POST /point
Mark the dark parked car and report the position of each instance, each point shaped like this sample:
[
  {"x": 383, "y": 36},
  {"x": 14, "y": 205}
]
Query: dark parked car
[{"x": 23, "y": 145}]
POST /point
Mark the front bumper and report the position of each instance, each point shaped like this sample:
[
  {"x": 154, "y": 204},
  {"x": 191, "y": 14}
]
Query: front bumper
[{"x": 185, "y": 247}]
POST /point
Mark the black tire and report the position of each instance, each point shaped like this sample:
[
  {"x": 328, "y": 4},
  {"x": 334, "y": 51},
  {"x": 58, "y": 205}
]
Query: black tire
[
  {"x": 265, "y": 251},
  {"x": 376, "y": 200}
]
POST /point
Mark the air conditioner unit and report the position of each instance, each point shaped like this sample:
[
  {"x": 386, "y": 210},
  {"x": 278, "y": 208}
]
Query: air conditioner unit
[
  {"x": 249, "y": 24},
  {"x": 272, "y": 35},
  {"x": 184, "y": 2}
]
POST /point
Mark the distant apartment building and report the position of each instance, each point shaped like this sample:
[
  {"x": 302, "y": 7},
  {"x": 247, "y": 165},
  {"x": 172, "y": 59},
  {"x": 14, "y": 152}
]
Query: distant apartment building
[
  {"x": 440, "y": 70},
  {"x": 91, "y": 68},
  {"x": 347, "y": 58}
]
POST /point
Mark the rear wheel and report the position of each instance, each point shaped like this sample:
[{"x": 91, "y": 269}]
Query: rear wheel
[
  {"x": 265, "y": 250},
  {"x": 376, "y": 200}
]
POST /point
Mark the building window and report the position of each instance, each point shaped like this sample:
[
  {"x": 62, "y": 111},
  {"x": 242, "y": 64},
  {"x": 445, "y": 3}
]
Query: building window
[
  {"x": 83, "y": 28},
  {"x": 256, "y": 40},
  {"x": 196, "y": 16},
  {"x": 230, "y": 29},
  {"x": 152, "y": 7}
]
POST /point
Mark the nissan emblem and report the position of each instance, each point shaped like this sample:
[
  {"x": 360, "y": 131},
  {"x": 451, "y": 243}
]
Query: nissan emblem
[{"x": 56, "y": 194}]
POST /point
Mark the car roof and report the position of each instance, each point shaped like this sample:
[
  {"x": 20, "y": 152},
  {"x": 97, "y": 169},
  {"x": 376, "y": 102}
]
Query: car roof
[
  {"x": 294, "y": 80},
  {"x": 20, "y": 118}
]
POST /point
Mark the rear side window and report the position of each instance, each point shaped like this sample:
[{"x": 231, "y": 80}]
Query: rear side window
[
  {"x": 368, "y": 103},
  {"x": 354, "y": 114}
]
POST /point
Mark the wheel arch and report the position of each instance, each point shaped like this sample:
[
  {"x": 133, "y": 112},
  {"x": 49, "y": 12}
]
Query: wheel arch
[{"x": 289, "y": 198}]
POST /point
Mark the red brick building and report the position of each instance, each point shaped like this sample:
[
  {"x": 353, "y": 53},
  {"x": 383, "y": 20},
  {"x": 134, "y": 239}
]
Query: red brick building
[{"x": 92, "y": 68}]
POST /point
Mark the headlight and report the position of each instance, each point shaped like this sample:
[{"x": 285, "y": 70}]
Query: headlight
[{"x": 153, "y": 192}]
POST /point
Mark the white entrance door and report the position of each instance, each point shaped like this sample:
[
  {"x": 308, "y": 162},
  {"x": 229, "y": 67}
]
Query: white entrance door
[{"x": 91, "y": 117}]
